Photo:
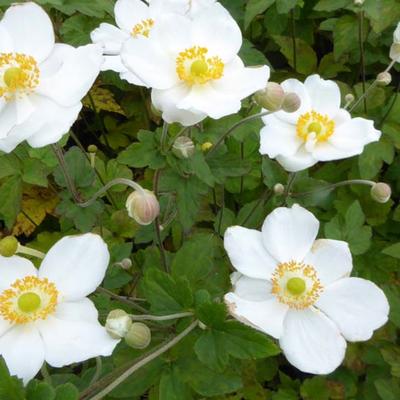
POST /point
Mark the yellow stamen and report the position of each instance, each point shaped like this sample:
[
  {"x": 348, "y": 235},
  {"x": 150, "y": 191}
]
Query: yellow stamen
[
  {"x": 194, "y": 67},
  {"x": 28, "y": 300},
  {"x": 314, "y": 123},
  {"x": 143, "y": 28}
]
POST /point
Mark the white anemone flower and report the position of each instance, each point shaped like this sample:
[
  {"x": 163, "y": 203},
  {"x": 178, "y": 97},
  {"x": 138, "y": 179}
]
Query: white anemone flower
[
  {"x": 41, "y": 83},
  {"x": 298, "y": 289},
  {"x": 136, "y": 19},
  {"x": 45, "y": 314},
  {"x": 318, "y": 131},
  {"x": 395, "y": 48},
  {"x": 193, "y": 66}
]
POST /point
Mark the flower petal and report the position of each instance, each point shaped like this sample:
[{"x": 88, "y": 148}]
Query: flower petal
[
  {"x": 331, "y": 259},
  {"x": 297, "y": 162},
  {"x": 128, "y": 13},
  {"x": 266, "y": 316},
  {"x": 289, "y": 233},
  {"x": 31, "y": 30},
  {"x": 312, "y": 342},
  {"x": 6, "y": 44},
  {"x": 71, "y": 335},
  {"x": 69, "y": 73},
  {"x": 13, "y": 268},
  {"x": 247, "y": 252},
  {"x": 356, "y": 305},
  {"x": 324, "y": 95},
  {"x": 4, "y": 326},
  {"x": 109, "y": 37},
  {"x": 23, "y": 351},
  {"x": 77, "y": 265},
  {"x": 251, "y": 289}
]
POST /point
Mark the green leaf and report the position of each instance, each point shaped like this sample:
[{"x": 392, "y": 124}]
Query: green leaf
[
  {"x": 255, "y": 7},
  {"x": 387, "y": 389},
  {"x": 392, "y": 250},
  {"x": 67, "y": 392},
  {"x": 284, "y": 6},
  {"x": 10, "y": 199},
  {"x": 315, "y": 389},
  {"x": 371, "y": 160},
  {"x": 345, "y": 35},
  {"x": 11, "y": 388},
  {"x": 172, "y": 386},
  {"x": 39, "y": 391},
  {"x": 331, "y": 5}
]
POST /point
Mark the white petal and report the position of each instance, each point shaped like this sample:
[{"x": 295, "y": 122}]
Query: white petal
[
  {"x": 81, "y": 310},
  {"x": 146, "y": 59},
  {"x": 69, "y": 73},
  {"x": 109, "y": 37},
  {"x": 266, "y": 316},
  {"x": 331, "y": 259},
  {"x": 69, "y": 340},
  {"x": 6, "y": 44},
  {"x": 289, "y": 233},
  {"x": 4, "y": 326},
  {"x": 128, "y": 13},
  {"x": 251, "y": 289},
  {"x": 312, "y": 342},
  {"x": 297, "y": 162},
  {"x": 31, "y": 30},
  {"x": 77, "y": 265},
  {"x": 356, "y": 305},
  {"x": 23, "y": 351},
  {"x": 13, "y": 268},
  {"x": 247, "y": 252},
  {"x": 324, "y": 95},
  {"x": 279, "y": 138}
]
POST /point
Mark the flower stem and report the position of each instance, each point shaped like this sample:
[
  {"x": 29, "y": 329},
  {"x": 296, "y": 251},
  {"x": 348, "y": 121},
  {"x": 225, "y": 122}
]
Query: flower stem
[
  {"x": 99, "y": 368},
  {"x": 30, "y": 252},
  {"x": 362, "y": 55},
  {"x": 164, "y": 136},
  {"x": 161, "y": 317},
  {"x": 144, "y": 361},
  {"x": 121, "y": 299}
]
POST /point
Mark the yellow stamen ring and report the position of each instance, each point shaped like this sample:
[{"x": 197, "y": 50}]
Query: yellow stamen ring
[
  {"x": 28, "y": 300},
  {"x": 143, "y": 28},
  {"x": 313, "y": 123}
]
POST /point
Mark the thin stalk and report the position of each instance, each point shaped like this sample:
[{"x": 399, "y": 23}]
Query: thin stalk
[
  {"x": 99, "y": 121},
  {"x": 30, "y": 252},
  {"x": 164, "y": 136},
  {"x": 161, "y": 317},
  {"x": 286, "y": 194},
  {"x": 389, "y": 110},
  {"x": 99, "y": 368},
  {"x": 264, "y": 198},
  {"x": 121, "y": 299},
  {"x": 362, "y": 55},
  {"x": 144, "y": 361},
  {"x": 294, "y": 39}
]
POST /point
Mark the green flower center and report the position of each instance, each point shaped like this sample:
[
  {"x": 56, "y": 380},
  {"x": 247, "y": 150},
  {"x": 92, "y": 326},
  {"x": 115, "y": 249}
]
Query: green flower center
[
  {"x": 296, "y": 286},
  {"x": 29, "y": 302},
  {"x": 315, "y": 127},
  {"x": 14, "y": 77},
  {"x": 199, "y": 67}
]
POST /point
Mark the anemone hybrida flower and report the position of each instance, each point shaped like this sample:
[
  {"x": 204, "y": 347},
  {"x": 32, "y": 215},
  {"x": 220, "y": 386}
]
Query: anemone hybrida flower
[
  {"x": 45, "y": 314},
  {"x": 136, "y": 19},
  {"x": 193, "y": 66},
  {"x": 318, "y": 131},
  {"x": 395, "y": 48},
  {"x": 41, "y": 83},
  {"x": 298, "y": 289}
]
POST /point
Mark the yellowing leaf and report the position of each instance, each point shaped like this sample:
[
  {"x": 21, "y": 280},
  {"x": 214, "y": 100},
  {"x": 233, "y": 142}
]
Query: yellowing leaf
[{"x": 103, "y": 99}]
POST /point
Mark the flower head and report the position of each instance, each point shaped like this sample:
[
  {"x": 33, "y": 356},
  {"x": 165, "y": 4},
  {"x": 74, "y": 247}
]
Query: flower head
[
  {"x": 41, "y": 83},
  {"x": 318, "y": 131},
  {"x": 45, "y": 314},
  {"x": 193, "y": 66},
  {"x": 297, "y": 289}
]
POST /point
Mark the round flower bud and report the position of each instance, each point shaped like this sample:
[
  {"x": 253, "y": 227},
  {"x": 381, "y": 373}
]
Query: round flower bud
[
  {"x": 384, "y": 79},
  {"x": 381, "y": 192},
  {"x": 92, "y": 148},
  {"x": 395, "y": 52},
  {"x": 8, "y": 246},
  {"x": 138, "y": 336},
  {"x": 291, "y": 103},
  {"x": 206, "y": 146},
  {"x": 359, "y": 2},
  {"x": 143, "y": 206},
  {"x": 349, "y": 98},
  {"x": 279, "y": 189},
  {"x": 118, "y": 323},
  {"x": 396, "y": 34},
  {"x": 126, "y": 263},
  {"x": 183, "y": 147},
  {"x": 270, "y": 98}
]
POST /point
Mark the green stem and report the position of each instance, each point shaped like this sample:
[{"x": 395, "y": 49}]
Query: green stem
[
  {"x": 164, "y": 136},
  {"x": 121, "y": 299},
  {"x": 99, "y": 121},
  {"x": 30, "y": 252},
  {"x": 362, "y": 55},
  {"x": 161, "y": 317},
  {"x": 99, "y": 368},
  {"x": 264, "y": 198},
  {"x": 294, "y": 39},
  {"x": 292, "y": 177}
]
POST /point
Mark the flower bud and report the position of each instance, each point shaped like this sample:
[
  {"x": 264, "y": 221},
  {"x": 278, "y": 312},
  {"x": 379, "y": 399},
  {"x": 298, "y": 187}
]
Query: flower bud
[
  {"x": 381, "y": 192},
  {"x": 279, "y": 189},
  {"x": 206, "y": 146},
  {"x": 349, "y": 98},
  {"x": 270, "y": 98},
  {"x": 143, "y": 206},
  {"x": 291, "y": 103},
  {"x": 395, "y": 52},
  {"x": 118, "y": 323},
  {"x": 384, "y": 78},
  {"x": 183, "y": 147},
  {"x": 359, "y": 2},
  {"x": 126, "y": 263},
  {"x": 396, "y": 34},
  {"x": 138, "y": 336},
  {"x": 92, "y": 148},
  {"x": 8, "y": 246}
]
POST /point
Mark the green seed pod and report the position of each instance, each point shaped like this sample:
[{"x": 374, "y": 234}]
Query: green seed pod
[
  {"x": 8, "y": 246},
  {"x": 138, "y": 336}
]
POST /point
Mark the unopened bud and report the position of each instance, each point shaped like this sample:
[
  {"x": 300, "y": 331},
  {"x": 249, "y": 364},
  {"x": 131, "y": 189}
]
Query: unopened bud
[
  {"x": 138, "y": 336},
  {"x": 279, "y": 189},
  {"x": 118, "y": 323},
  {"x": 396, "y": 34},
  {"x": 183, "y": 147},
  {"x": 8, "y": 246},
  {"x": 359, "y": 2},
  {"x": 291, "y": 103},
  {"x": 143, "y": 206},
  {"x": 206, "y": 146},
  {"x": 384, "y": 78},
  {"x": 92, "y": 148},
  {"x": 395, "y": 52},
  {"x": 270, "y": 98},
  {"x": 349, "y": 98},
  {"x": 381, "y": 192},
  {"x": 126, "y": 263}
]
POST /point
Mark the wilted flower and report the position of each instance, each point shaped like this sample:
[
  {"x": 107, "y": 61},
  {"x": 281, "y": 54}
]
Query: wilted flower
[
  {"x": 318, "y": 131},
  {"x": 41, "y": 83},
  {"x": 45, "y": 314},
  {"x": 143, "y": 206},
  {"x": 297, "y": 289},
  {"x": 193, "y": 66}
]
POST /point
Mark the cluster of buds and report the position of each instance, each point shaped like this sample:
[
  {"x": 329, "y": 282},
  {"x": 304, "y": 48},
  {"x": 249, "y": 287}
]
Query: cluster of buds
[
  {"x": 119, "y": 325},
  {"x": 143, "y": 206},
  {"x": 395, "y": 48},
  {"x": 273, "y": 98}
]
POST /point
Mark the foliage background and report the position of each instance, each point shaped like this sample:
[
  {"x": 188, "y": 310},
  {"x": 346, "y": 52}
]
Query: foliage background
[{"x": 204, "y": 195}]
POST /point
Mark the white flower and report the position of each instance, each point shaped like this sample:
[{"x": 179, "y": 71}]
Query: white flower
[
  {"x": 319, "y": 131},
  {"x": 395, "y": 48},
  {"x": 41, "y": 83},
  {"x": 193, "y": 66},
  {"x": 298, "y": 290},
  {"x": 45, "y": 314},
  {"x": 396, "y": 34},
  {"x": 136, "y": 19}
]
